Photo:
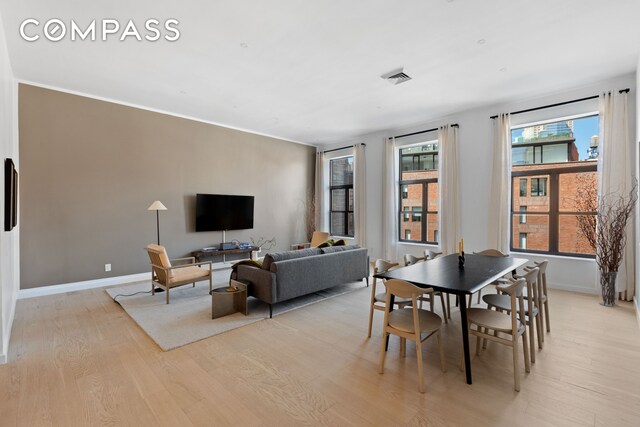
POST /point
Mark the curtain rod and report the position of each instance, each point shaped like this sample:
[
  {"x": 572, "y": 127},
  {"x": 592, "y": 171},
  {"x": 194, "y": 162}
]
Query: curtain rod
[
  {"x": 455, "y": 125},
  {"x": 528, "y": 110},
  {"x": 342, "y": 148}
]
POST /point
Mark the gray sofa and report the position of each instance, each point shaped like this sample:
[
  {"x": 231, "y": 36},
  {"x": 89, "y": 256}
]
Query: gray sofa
[{"x": 286, "y": 275}]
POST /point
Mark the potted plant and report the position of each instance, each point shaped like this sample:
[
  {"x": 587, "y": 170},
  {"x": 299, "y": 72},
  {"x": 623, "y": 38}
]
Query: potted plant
[{"x": 605, "y": 231}]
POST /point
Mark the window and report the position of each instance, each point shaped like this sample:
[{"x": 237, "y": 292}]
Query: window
[
  {"x": 406, "y": 214},
  {"x": 341, "y": 196},
  {"x": 523, "y": 187},
  {"x": 523, "y": 240},
  {"x": 416, "y": 214},
  {"x": 419, "y": 192},
  {"x": 538, "y": 187},
  {"x": 555, "y": 184}
]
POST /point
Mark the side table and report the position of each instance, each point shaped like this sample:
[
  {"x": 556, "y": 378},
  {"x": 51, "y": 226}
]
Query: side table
[{"x": 225, "y": 301}]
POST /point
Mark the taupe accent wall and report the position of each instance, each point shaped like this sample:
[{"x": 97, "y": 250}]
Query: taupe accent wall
[{"x": 90, "y": 168}]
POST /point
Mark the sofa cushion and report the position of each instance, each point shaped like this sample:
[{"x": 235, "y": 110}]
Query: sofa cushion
[
  {"x": 332, "y": 249},
  {"x": 281, "y": 256}
]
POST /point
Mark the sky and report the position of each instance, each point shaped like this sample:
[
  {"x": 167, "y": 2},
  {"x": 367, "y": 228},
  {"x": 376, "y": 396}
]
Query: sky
[{"x": 583, "y": 129}]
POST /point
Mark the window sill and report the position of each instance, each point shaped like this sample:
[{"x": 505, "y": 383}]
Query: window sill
[
  {"x": 538, "y": 255},
  {"x": 430, "y": 245}
]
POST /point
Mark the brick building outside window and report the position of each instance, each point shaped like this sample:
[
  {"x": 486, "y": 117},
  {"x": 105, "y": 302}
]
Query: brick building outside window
[
  {"x": 551, "y": 163},
  {"x": 419, "y": 198}
]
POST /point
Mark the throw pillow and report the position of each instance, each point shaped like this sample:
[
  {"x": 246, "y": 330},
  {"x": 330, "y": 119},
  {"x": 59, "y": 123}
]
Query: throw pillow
[
  {"x": 340, "y": 242},
  {"x": 326, "y": 244}
]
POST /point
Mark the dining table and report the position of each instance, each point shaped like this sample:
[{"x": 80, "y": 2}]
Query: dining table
[{"x": 448, "y": 274}]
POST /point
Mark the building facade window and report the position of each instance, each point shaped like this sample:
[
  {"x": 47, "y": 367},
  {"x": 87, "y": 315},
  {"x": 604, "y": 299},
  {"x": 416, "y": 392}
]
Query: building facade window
[
  {"x": 523, "y": 240},
  {"x": 523, "y": 187},
  {"x": 341, "y": 197},
  {"x": 538, "y": 187},
  {"x": 419, "y": 193},
  {"x": 554, "y": 180}
]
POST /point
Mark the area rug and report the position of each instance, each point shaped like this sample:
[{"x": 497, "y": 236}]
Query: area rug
[{"x": 187, "y": 318}]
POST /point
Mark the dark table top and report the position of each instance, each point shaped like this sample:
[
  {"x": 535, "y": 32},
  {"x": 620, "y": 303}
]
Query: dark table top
[{"x": 443, "y": 273}]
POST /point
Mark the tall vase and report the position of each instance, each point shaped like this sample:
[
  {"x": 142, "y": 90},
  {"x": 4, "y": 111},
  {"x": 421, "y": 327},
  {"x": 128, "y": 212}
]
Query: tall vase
[{"x": 608, "y": 288}]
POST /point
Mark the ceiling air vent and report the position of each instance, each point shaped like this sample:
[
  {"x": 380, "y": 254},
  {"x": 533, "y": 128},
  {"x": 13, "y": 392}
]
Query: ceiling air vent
[{"x": 396, "y": 77}]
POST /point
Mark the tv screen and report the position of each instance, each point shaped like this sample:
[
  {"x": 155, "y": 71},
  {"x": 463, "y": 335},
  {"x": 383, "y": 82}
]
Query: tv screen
[{"x": 217, "y": 212}]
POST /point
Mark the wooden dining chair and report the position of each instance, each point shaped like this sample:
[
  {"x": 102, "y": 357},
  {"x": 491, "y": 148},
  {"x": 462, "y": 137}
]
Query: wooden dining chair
[
  {"x": 542, "y": 294},
  {"x": 409, "y": 324},
  {"x": 378, "y": 299},
  {"x": 410, "y": 260},
  {"x": 486, "y": 252},
  {"x": 531, "y": 314},
  {"x": 489, "y": 324},
  {"x": 428, "y": 254}
]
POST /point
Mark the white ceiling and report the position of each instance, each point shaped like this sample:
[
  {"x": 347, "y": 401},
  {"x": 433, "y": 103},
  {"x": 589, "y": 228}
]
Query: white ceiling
[{"x": 310, "y": 71}]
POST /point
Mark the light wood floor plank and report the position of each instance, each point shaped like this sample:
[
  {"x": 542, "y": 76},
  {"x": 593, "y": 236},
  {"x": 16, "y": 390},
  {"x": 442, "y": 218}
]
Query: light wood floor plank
[{"x": 78, "y": 359}]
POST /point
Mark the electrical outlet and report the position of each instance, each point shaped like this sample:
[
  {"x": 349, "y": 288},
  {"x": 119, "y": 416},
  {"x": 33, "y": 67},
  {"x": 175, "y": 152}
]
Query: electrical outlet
[{"x": 107, "y": 267}]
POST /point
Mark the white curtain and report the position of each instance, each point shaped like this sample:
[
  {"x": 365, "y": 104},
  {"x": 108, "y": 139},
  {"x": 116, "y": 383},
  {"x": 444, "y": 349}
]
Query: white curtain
[
  {"x": 615, "y": 173},
  {"x": 319, "y": 193},
  {"x": 360, "y": 194},
  {"x": 449, "y": 189},
  {"x": 390, "y": 201},
  {"x": 499, "y": 208}
]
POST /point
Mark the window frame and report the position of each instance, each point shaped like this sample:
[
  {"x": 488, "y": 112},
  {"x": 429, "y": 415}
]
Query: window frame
[
  {"x": 538, "y": 181},
  {"x": 526, "y": 187},
  {"x": 551, "y": 190},
  {"x": 425, "y": 212},
  {"x": 554, "y": 213},
  {"x": 346, "y": 212}
]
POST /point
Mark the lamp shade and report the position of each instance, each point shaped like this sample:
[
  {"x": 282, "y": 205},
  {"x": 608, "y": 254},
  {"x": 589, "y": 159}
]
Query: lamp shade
[{"x": 157, "y": 206}]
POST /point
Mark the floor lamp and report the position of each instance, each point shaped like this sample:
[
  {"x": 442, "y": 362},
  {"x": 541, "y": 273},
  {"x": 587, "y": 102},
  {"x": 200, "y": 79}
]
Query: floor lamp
[{"x": 157, "y": 206}]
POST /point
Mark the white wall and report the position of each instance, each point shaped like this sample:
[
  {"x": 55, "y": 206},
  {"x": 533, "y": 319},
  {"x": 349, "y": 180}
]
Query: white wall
[
  {"x": 475, "y": 137},
  {"x": 9, "y": 240},
  {"x": 636, "y": 143}
]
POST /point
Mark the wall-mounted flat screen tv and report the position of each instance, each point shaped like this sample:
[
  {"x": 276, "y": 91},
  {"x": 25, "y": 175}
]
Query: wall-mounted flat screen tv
[{"x": 217, "y": 212}]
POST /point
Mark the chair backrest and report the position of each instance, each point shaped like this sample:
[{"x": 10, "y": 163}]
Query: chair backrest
[
  {"x": 318, "y": 237},
  {"x": 404, "y": 289},
  {"x": 158, "y": 257},
  {"x": 542, "y": 275},
  {"x": 410, "y": 259},
  {"x": 491, "y": 252},
  {"x": 431, "y": 254},
  {"x": 514, "y": 290},
  {"x": 382, "y": 265},
  {"x": 531, "y": 277}
]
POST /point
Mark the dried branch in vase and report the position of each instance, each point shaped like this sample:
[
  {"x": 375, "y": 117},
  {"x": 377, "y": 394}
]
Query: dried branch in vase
[
  {"x": 263, "y": 243},
  {"x": 605, "y": 231}
]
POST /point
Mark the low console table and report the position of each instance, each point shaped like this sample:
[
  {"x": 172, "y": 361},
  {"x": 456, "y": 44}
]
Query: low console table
[{"x": 201, "y": 254}]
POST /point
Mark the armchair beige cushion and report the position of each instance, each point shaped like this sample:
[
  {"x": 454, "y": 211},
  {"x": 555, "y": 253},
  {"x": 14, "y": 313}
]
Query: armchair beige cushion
[
  {"x": 318, "y": 238},
  {"x": 166, "y": 276}
]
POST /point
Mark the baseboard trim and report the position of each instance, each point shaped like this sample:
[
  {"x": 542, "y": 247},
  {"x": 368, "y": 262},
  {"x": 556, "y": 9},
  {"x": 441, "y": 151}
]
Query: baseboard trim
[
  {"x": 80, "y": 286},
  {"x": 573, "y": 288},
  {"x": 635, "y": 304}
]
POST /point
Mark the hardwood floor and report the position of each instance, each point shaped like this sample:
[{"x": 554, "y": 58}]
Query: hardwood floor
[{"x": 78, "y": 359}]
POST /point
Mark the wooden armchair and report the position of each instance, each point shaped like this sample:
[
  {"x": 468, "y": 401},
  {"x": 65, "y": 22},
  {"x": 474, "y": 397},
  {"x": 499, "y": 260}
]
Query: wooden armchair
[
  {"x": 317, "y": 238},
  {"x": 167, "y": 276}
]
